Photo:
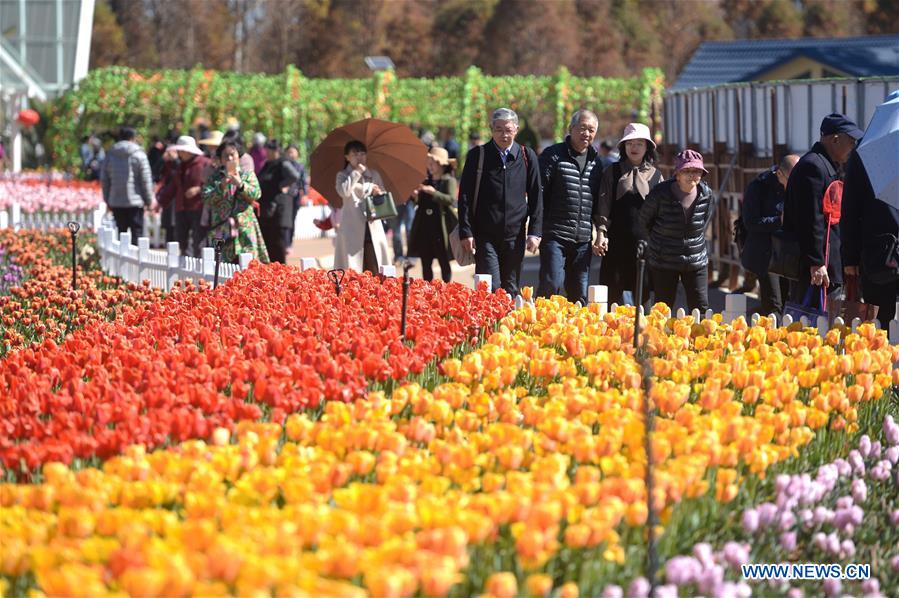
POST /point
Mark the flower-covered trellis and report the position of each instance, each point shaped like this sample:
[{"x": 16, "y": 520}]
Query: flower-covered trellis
[{"x": 293, "y": 107}]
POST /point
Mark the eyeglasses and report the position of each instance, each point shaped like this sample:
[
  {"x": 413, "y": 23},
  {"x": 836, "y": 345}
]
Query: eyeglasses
[{"x": 692, "y": 174}]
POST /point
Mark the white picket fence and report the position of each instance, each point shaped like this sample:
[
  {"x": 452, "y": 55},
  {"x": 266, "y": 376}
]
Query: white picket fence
[
  {"x": 162, "y": 268},
  {"x": 14, "y": 217}
]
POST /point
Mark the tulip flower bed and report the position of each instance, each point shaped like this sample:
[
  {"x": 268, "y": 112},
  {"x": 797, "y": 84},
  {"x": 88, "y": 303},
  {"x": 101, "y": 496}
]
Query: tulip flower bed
[
  {"x": 38, "y": 194},
  {"x": 522, "y": 471},
  {"x": 41, "y": 304},
  {"x": 271, "y": 342}
]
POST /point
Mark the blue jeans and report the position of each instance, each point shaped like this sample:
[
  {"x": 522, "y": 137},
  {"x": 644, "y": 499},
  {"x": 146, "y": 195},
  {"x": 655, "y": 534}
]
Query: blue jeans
[
  {"x": 564, "y": 265},
  {"x": 501, "y": 259},
  {"x": 405, "y": 213}
]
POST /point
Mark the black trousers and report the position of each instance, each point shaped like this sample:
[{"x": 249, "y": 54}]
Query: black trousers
[
  {"x": 501, "y": 259},
  {"x": 696, "y": 286},
  {"x": 274, "y": 239},
  {"x": 190, "y": 233},
  {"x": 772, "y": 290},
  {"x": 129, "y": 219},
  {"x": 427, "y": 263},
  {"x": 882, "y": 295},
  {"x": 369, "y": 257}
]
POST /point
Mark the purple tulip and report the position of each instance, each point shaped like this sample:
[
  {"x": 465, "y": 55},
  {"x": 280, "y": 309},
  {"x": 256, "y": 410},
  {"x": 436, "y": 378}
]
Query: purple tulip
[
  {"x": 864, "y": 445},
  {"x": 892, "y": 454},
  {"x": 857, "y": 463},
  {"x": 823, "y": 515},
  {"x": 876, "y": 449},
  {"x": 847, "y": 548},
  {"x": 871, "y": 586},
  {"x": 703, "y": 553},
  {"x": 832, "y": 586},
  {"x": 736, "y": 554},
  {"x": 894, "y": 517},
  {"x": 891, "y": 431},
  {"x": 666, "y": 591},
  {"x": 767, "y": 511},
  {"x": 843, "y": 467},
  {"x": 844, "y": 502},
  {"x": 894, "y": 563},
  {"x": 750, "y": 521},
  {"x": 781, "y": 483},
  {"x": 820, "y": 540},
  {"x": 639, "y": 588},
  {"x": 682, "y": 570},
  {"x": 787, "y": 521},
  {"x": 613, "y": 592},
  {"x": 833, "y": 543},
  {"x": 795, "y": 593},
  {"x": 710, "y": 580},
  {"x": 788, "y": 541},
  {"x": 859, "y": 491}
]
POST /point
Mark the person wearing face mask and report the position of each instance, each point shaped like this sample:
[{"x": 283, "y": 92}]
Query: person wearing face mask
[
  {"x": 565, "y": 171},
  {"x": 230, "y": 195},
  {"x": 622, "y": 189},
  {"x": 804, "y": 215},
  {"x": 673, "y": 219},
  {"x": 500, "y": 199}
]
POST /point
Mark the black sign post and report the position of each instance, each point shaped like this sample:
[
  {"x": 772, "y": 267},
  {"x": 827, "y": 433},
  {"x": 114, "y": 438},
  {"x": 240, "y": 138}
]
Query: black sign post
[
  {"x": 219, "y": 246},
  {"x": 74, "y": 227}
]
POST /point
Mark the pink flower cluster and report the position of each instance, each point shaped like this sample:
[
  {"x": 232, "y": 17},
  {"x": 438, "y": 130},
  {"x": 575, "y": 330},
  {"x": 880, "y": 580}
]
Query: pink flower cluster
[{"x": 36, "y": 195}]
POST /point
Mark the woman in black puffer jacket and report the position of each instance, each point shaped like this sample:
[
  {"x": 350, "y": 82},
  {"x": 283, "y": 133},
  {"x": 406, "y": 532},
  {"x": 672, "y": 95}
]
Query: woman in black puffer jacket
[{"x": 674, "y": 218}]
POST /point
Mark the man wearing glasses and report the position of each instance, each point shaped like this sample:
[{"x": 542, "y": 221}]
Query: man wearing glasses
[
  {"x": 804, "y": 209},
  {"x": 500, "y": 199}
]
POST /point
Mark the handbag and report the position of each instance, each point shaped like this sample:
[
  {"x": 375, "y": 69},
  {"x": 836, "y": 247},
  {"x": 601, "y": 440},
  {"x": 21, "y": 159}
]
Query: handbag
[
  {"x": 380, "y": 206},
  {"x": 785, "y": 256},
  {"x": 796, "y": 310},
  {"x": 880, "y": 257},
  {"x": 462, "y": 256},
  {"x": 854, "y": 308}
]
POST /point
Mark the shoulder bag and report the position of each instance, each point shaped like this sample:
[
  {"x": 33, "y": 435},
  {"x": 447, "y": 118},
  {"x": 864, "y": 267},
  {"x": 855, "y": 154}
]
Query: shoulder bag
[{"x": 463, "y": 256}]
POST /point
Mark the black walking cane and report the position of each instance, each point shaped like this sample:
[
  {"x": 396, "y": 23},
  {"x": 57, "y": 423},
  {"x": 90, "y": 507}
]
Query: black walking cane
[
  {"x": 74, "y": 227},
  {"x": 640, "y": 355},
  {"x": 219, "y": 246}
]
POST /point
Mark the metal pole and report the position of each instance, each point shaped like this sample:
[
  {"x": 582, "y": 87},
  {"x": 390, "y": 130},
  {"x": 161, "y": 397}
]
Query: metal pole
[
  {"x": 407, "y": 265},
  {"x": 74, "y": 227},
  {"x": 638, "y": 300},
  {"x": 646, "y": 375},
  {"x": 219, "y": 246}
]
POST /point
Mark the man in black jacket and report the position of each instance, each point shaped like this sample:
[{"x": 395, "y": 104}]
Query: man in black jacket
[
  {"x": 762, "y": 212},
  {"x": 493, "y": 215},
  {"x": 565, "y": 171},
  {"x": 868, "y": 227},
  {"x": 804, "y": 209}
]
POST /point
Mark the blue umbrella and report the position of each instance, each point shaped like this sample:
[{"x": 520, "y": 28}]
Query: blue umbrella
[{"x": 879, "y": 151}]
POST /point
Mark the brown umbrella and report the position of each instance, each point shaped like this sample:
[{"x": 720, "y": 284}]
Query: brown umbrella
[{"x": 393, "y": 150}]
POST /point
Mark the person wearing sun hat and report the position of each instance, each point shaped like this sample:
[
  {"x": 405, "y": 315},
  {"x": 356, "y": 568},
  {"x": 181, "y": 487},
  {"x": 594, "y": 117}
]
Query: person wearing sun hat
[
  {"x": 435, "y": 215},
  {"x": 623, "y": 188},
  {"x": 673, "y": 219},
  {"x": 185, "y": 191},
  {"x": 804, "y": 217}
]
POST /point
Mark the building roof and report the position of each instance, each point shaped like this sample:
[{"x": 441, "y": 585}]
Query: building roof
[{"x": 719, "y": 62}]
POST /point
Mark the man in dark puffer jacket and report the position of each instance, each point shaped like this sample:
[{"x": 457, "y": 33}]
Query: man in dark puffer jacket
[
  {"x": 674, "y": 218},
  {"x": 565, "y": 172}
]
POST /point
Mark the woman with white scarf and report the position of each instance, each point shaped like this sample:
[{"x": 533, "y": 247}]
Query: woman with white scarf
[{"x": 622, "y": 189}]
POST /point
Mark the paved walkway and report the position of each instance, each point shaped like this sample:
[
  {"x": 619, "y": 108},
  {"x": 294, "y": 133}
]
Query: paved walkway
[{"x": 323, "y": 251}]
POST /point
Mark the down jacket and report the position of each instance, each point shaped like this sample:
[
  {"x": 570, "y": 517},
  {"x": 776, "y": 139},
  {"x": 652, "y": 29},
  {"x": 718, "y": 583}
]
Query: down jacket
[
  {"x": 125, "y": 177},
  {"x": 675, "y": 243},
  {"x": 568, "y": 195}
]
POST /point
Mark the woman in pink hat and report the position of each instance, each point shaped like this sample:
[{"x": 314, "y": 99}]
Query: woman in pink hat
[
  {"x": 673, "y": 219},
  {"x": 622, "y": 189}
]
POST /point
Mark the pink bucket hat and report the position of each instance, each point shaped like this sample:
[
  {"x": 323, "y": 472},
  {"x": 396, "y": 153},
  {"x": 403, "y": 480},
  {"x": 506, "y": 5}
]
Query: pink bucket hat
[
  {"x": 637, "y": 131},
  {"x": 689, "y": 159}
]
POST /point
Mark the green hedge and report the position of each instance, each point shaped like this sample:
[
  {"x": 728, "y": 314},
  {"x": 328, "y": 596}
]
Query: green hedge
[{"x": 293, "y": 107}]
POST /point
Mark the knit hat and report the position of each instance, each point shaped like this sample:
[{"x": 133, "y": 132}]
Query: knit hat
[{"x": 689, "y": 159}]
